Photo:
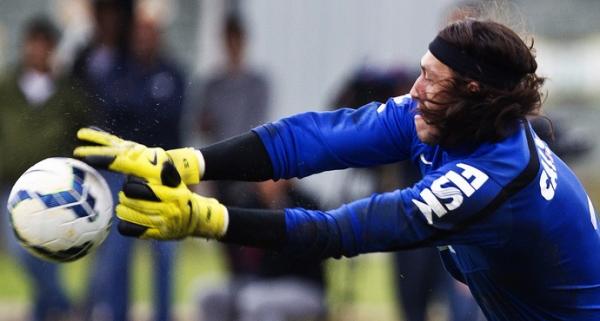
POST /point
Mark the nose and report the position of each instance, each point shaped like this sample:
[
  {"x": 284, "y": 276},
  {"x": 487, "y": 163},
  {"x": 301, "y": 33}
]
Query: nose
[{"x": 415, "y": 90}]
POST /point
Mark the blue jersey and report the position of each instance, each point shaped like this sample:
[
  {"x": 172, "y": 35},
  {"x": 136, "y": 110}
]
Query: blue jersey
[{"x": 510, "y": 218}]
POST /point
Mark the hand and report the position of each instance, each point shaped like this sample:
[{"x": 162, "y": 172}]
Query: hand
[
  {"x": 111, "y": 152},
  {"x": 168, "y": 213}
]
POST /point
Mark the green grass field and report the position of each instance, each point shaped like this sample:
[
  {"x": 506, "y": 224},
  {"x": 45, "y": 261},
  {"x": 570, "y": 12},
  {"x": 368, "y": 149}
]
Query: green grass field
[{"x": 359, "y": 289}]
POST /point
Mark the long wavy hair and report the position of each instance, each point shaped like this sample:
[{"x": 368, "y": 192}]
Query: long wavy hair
[{"x": 485, "y": 113}]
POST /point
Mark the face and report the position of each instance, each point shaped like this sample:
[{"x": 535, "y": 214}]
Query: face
[
  {"x": 428, "y": 86},
  {"x": 109, "y": 23},
  {"x": 37, "y": 53},
  {"x": 145, "y": 39}
]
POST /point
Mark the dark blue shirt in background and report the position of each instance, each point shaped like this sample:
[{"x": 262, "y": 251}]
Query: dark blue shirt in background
[{"x": 145, "y": 104}]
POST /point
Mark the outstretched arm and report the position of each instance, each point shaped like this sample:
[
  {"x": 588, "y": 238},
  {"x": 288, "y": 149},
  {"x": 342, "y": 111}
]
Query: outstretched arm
[
  {"x": 293, "y": 147},
  {"x": 309, "y": 143},
  {"x": 239, "y": 158},
  {"x": 296, "y": 146},
  {"x": 427, "y": 214}
]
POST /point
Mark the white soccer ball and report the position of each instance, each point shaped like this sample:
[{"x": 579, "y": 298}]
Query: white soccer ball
[{"x": 60, "y": 209}]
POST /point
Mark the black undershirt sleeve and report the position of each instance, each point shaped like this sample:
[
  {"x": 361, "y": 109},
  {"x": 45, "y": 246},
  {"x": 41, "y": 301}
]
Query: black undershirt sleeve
[
  {"x": 241, "y": 158},
  {"x": 244, "y": 158},
  {"x": 256, "y": 227}
]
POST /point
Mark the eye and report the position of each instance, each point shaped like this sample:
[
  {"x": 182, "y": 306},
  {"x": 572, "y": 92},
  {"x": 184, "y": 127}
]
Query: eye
[{"x": 424, "y": 75}]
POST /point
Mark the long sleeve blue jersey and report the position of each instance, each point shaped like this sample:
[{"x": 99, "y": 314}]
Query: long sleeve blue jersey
[{"x": 510, "y": 218}]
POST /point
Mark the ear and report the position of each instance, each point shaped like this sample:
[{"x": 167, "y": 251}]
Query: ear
[{"x": 473, "y": 87}]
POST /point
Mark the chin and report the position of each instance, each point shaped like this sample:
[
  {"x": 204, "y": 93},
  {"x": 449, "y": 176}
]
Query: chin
[
  {"x": 426, "y": 133},
  {"x": 428, "y": 139}
]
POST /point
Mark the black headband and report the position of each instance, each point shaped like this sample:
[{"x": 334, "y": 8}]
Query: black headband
[{"x": 468, "y": 66}]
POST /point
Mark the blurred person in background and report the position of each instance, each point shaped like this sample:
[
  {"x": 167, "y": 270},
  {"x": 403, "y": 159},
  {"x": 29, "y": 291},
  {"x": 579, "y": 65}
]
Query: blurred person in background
[
  {"x": 97, "y": 65},
  {"x": 555, "y": 132},
  {"x": 40, "y": 111},
  {"x": 233, "y": 100},
  {"x": 236, "y": 97},
  {"x": 99, "y": 61},
  {"x": 266, "y": 285},
  {"x": 146, "y": 93}
]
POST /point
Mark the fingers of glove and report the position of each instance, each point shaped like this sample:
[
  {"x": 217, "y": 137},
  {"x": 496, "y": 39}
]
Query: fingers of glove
[
  {"x": 170, "y": 194},
  {"x": 97, "y": 136},
  {"x": 111, "y": 158},
  {"x": 138, "y": 188},
  {"x": 136, "y": 217},
  {"x": 97, "y": 156},
  {"x": 130, "y": 229},
  {"x": 84, "y": 151},
  {"x": 147, "y": 208},
  {"x": 102, "y": 162},
  {"x": 172, "y": 211},
  {"x": 135, "y": 223},
  {"x": 154, "y": 233}
]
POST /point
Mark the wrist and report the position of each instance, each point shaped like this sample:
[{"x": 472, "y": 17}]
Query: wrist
[
  {"x": 189, "y": 163},
  {"x": 213, "y": 217}
]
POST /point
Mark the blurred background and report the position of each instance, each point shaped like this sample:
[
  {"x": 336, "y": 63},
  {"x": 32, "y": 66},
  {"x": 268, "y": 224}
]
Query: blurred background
[{"x": 203, "y": 70}]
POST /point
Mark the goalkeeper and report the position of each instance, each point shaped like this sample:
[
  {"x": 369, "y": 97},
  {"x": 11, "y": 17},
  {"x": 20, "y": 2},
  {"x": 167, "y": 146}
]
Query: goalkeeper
[{"x": 511, "y": 220}]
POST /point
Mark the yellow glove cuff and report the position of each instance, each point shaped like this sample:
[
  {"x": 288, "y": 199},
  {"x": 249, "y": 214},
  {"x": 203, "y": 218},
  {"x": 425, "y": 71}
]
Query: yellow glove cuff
[
  {"x": 213, "y": 217},
  {"x": 189, "y": 163}
]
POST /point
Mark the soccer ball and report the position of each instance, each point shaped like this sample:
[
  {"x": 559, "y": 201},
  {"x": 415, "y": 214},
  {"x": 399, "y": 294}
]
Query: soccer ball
[{"x": 60, "y": 209}]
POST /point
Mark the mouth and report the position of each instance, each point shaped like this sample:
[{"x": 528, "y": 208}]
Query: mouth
[
  {"x": 419, "y": 109},
  {"x": 425, "y": 112},
  {"x": 419, "y": 114}
]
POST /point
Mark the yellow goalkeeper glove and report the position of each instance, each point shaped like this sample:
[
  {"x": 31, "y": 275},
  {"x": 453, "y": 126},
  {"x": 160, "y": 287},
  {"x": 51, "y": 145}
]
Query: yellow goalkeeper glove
[
  {"x": 167, "y": 213},
  {"x": 111, "y": 152}
]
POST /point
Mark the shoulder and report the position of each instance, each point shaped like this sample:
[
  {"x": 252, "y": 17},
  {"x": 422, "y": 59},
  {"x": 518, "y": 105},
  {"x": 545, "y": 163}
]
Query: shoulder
[
  {"x": 405, "y": 102},
  {"x": 507, "y": 160},
  {"x": 399, "y": 111}
]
